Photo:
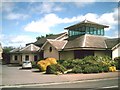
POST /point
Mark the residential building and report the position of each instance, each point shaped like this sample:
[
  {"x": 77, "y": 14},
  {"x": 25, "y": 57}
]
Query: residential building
[
  {"x": 84, "y": 39},
  {"x": 28, "y": 53}
]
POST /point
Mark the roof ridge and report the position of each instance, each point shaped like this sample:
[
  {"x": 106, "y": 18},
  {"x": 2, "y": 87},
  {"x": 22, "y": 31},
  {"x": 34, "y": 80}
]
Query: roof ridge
[
  {"x": 61, "y": 35},
  {"x": 84, "y": 40}
]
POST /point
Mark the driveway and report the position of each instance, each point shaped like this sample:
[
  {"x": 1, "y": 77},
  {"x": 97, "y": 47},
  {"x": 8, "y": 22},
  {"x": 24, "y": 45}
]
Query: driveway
[{"x": 17, "y": 76}]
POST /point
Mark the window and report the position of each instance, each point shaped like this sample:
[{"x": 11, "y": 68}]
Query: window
[
  {"x": 87, "y": 30},
  {"x": 99, "y": 32},
  {"x": 15, "y": 58},
  {"x": 95, "y": 31},
  {"x": 35, "y": 57},
  {"x": 27, "y": 57},
  {"x": 50, "y": 49},
  {"x": 91, "y": 30},
  {"x": 102, "y": 31}
]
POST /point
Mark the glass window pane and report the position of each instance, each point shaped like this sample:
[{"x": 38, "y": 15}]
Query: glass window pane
[
  {"x": 87, "y": 30},
  {"x": 102, "y": 31},
  {"x": 27, "y": 57},
  {"x": 15, "y": 58},
  {"x": 91, "y": 30},
  {"x": 95, "y": 31},
  {"x": 99, "y": 32}
]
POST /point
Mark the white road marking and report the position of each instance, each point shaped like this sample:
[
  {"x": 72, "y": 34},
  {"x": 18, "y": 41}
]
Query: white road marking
[
  {"x": 46, "y": 84},
  {"x": 110, "y": 87}
]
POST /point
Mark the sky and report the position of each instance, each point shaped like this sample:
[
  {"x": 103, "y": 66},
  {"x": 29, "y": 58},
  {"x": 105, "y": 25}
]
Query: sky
[{"x": 22, "y": 22}]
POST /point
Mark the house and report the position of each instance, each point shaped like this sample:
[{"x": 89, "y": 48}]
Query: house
[
  {"x": 52, "y": 48},
  {"x": 116, "y": 51},
  {"x": 114, "y": 44},
  {"x": 84, "y": 39},
  {"x": 1, "y": 51},
  {"x": 28, "y": 53}
]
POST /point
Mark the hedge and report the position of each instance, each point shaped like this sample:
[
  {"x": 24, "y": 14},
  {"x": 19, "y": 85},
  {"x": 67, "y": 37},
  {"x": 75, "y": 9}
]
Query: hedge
[{"x": 89, "y": 64}]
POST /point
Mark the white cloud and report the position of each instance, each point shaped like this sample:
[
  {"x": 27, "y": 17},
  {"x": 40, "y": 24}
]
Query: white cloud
[
  {"x": 16, "y": 16},
  {"x": 83, "y": 3},
  {"x": 21, "y": 39},
  {"x": 45, "y": 7},
  {"x": 7, "y": 6},
  {"x": 43, "y": 25},
  {"x": 16, "y": 41},
  {"x": 51, "y": 20}
]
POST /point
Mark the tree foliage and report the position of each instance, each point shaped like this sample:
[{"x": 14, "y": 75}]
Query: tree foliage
[
  {"x": 7, "y": 49},
  {"x": 47, "y": 35}
]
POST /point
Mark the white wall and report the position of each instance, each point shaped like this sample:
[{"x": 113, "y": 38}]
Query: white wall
[
  {"x": 53, "y": 54},
  {"x": 0, "y": 55},
  {"x": 21, "y": 57},
  {"x": 12, "y": 58},
  {"x": 116, "y": 52}
]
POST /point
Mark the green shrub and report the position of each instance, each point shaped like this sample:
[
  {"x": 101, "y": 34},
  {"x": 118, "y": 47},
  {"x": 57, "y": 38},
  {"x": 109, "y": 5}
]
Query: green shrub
[
  {"x": 34, "y": 64},
  {"x": 91, "y": 69},
  {"x": 68, "y": 64},
  {"x": 60, "y": 61},
  {"x": 55, "y": 68},
  {"x": 89, "y": 64},
  {"x": 76, "y": 69}
]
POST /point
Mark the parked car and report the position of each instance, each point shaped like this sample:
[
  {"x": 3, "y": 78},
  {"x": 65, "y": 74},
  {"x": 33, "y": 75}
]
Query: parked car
[{"x": 26, "y": 64}]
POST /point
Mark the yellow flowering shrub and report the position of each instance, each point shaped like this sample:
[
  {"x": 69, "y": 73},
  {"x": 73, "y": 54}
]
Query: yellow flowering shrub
[
  {"x": 112, "y": 69},
  {"x": 42, "y": 65},
  {"x": 51, "y": 60}
]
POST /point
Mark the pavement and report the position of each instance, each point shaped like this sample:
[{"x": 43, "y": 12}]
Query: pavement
[{"x": 13, "y": 76}]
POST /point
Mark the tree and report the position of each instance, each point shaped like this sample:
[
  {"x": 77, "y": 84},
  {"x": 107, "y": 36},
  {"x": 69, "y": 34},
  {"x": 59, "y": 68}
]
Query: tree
[
  {"x": 7, "y": 49},
  {"x": 49, "y": 35},
  {"x": 39, "y": 37}
]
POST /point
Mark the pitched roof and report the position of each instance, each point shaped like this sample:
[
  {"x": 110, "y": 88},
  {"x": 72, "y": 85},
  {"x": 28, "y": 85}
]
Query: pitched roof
[
  {"x": 87, "y": 41},
  {"x": 30, "y": 48},
  {"x": 86, "y": 22},
  {"x": 41, "y": 41},
  {"x": 58, "y": 44},
  {"x": 112, "y": 42},
  {"x": 15, "y": 50}
]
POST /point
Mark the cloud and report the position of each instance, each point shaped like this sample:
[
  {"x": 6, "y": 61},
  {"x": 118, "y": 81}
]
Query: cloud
[
  {"x": 7, "y": 6},
  {"x": 9, "y": 12},
  {"x": 16, "y": 16},
  {"x": 16, "y": 41},
  {"x": 45, "y": 24},
  {"x": 45, "y": 7},
  {"x": 83, "y": 3}
]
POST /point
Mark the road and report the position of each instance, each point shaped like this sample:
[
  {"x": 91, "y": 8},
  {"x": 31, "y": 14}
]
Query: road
[
  {"x": 94, "y": 84},
  {"x": 15, "y": 77}
]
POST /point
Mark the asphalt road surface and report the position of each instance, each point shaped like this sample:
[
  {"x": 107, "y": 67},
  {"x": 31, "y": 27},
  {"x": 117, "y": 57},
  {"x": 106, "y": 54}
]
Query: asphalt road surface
[
  {"x": 14, "y": 77},
  {"x": 99, "y": 84},
  {"x": 90, "y": 84}
]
